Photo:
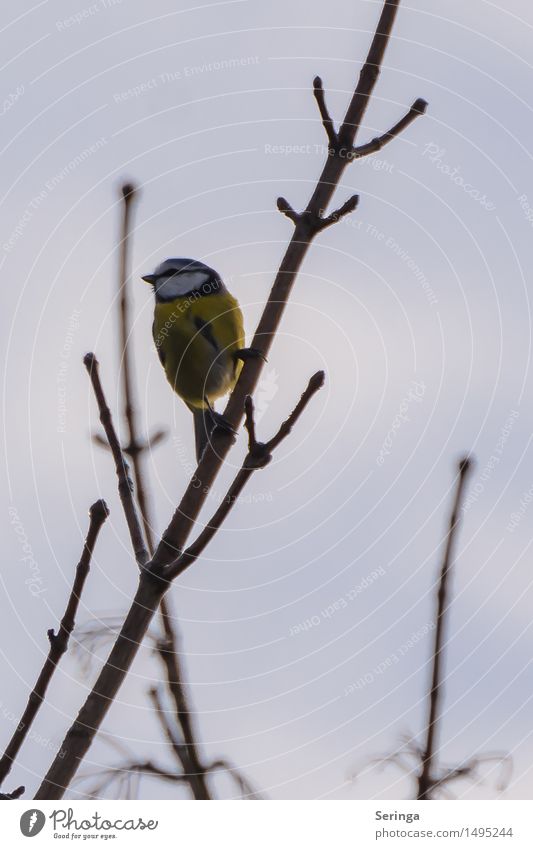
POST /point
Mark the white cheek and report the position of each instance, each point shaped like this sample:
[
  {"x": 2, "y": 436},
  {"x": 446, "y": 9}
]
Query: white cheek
[{"x": 181, "y": 284}]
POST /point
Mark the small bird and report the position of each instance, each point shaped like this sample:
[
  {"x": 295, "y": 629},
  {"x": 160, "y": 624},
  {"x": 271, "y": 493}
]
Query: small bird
[{"x": 198, "y": 332}]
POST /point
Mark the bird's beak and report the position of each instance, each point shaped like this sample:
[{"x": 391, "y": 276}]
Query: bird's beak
[{"x": 149, "y": 278}]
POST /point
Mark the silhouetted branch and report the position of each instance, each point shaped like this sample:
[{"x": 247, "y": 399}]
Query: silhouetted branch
[
  {"x": 186, "y": 755},
  {"x": 418, "y": 108},
  {"x": 125, "y": 485},
  {"x": 246, "y": 789},
  {"x": 188, "y": 750},
  {"x": 426, "y": 778},
  {"x": 122, "y": 774},
  {"x": 318, "y": 91},
  {"x": 15, "y": 794},
  {"x": 136, "y": 449},
  {"x": 98, "y": 513},
  {"x": 317, "y": 220}
]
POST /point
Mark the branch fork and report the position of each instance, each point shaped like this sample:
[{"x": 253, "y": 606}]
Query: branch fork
[{"x": 314, "y": 222}]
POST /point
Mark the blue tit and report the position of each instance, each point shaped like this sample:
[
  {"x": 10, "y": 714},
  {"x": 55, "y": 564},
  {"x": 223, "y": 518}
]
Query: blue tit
[{"x": 199, "y": 335}]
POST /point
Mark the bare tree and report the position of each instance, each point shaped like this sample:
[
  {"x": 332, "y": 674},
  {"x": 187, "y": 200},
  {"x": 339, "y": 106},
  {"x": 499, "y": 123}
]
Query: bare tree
[
  {"x": 98, "y": 513},
  {"x": 171, "y": 556},
  {"x": 422, "y": 761}
]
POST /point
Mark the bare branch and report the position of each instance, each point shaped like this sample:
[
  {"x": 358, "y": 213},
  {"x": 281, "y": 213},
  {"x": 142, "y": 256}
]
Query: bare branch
[
  {"x": 426, "y": 778},
  {"x": 98, "y": 513},
  {"x": 118, "y": 774},
  {"x": 125, "y": 486},
  {"x": 187, "y": 757},
  {"x": 246, "y": 789},
  {"x": 318, "y": 91},
  {"x": 339, "y": 213},
  {"x": 125, "y": 351},
  {"x": 285, "y": 207},
  {"x": 15, "y": 794},
  {"x": 316, "y": 382},
  {"x": 418, "y": 108},
  {"x": 167, "y": 647}
]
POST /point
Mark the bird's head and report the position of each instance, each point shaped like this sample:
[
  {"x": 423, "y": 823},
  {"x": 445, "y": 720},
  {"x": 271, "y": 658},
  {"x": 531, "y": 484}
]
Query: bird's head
[{"x": 179, "y": 277}]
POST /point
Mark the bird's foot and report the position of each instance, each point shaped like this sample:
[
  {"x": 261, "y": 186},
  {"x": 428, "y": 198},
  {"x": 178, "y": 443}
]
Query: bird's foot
[
  {"x": 249, "y": 354},
  {"x": 221, "y": 423}
]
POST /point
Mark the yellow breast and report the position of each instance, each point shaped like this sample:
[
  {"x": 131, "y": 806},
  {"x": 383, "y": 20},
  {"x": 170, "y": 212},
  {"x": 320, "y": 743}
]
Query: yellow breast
[{"x": 196, "y": 338}]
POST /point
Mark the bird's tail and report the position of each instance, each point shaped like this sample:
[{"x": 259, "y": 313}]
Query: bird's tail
[{"x": 204, "y": 423}]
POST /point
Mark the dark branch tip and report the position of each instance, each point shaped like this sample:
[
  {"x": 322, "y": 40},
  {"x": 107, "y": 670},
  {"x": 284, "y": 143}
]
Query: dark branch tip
[
  {"x": 90, "y": 360},
  {"x": 317, "y": 381},
  {"x": 465, "y": 465},
  {"x": 420, "y": 105},
  {"x": 99, "y": 511},
  {"x": 317, "y": 83},
  {"x": 16, "y": 794},
  {"x": 128, "y": 191},
  {"x": 285, "y": 207}
]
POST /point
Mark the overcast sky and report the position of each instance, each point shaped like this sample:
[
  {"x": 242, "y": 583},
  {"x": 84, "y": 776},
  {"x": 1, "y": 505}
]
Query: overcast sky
[{"x": 417, "y": 307}]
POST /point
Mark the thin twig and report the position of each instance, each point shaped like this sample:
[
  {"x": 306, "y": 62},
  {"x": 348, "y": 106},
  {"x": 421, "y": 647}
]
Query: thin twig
[
  {"x": 136, "y": 450},
  {"x": 193, "y": 770},
  {"x": 347, "y": 207},
  {"x": 98, "y": 513},
  {"x": 15, "y": 794},
  {"x": 318, "y": 91},
  {"x": 426, "y": 778},
  {"x": 247, "y": 790},
  {"x": 418, "y": 108},
  {"x": 125, "y": 486},
  {"x": 125, "y": 771}
]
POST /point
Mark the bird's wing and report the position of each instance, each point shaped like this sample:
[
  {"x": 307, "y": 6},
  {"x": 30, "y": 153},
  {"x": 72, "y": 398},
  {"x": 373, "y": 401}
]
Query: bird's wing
[
  {"x": 159, "y": 348},
  {"x": 204, "y": 327}
]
